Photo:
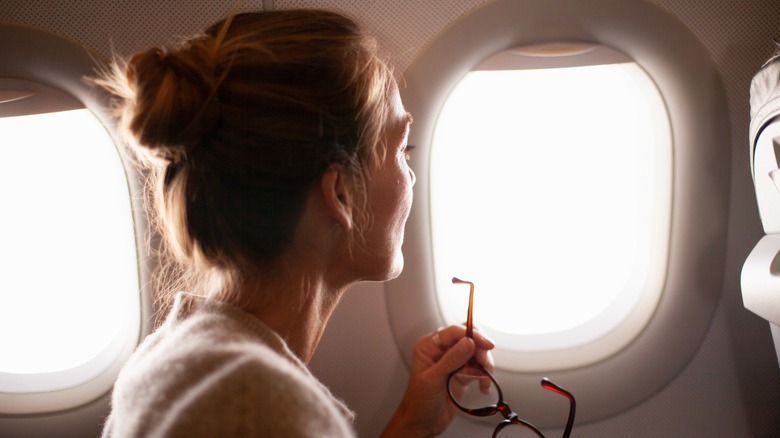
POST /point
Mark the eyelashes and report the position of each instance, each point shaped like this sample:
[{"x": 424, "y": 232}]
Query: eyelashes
[{"x": 408, "y": 151}]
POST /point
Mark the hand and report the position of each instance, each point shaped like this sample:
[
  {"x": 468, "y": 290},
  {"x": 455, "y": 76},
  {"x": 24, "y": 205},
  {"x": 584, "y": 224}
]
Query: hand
[{"x": 426, "y": 409}]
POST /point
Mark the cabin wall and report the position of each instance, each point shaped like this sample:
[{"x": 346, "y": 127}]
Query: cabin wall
[{"x": 731, "y": 388}]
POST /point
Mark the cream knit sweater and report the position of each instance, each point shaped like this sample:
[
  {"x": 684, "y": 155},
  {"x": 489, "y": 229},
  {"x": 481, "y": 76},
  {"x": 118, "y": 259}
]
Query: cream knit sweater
[{"x": 212, "y": 370}]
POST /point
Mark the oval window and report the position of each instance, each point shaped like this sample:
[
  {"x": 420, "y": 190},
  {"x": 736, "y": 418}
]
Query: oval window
[
  {"x": 71, "y": 302},
  {"x": 555, "y": 161},
  {"x": 68, "y": 252},
  {"x": 585, "y": 293}
]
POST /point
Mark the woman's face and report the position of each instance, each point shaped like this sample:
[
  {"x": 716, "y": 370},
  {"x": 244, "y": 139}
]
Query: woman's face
[{"x": 390, "y": 198}]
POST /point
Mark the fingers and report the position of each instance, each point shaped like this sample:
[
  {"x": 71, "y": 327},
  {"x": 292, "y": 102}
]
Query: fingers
[
  {"x": 456, "y": 356},
  {"x": 450, "y": 348},
  {"x": 435, "y": 357},
  {"x": 444, "y": 338},
  {"x": 437, "y": 342},
  {"x": 485, "y": 359}
]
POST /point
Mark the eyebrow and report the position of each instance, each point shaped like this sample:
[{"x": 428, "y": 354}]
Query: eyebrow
[{"x": 407, "y": 125}]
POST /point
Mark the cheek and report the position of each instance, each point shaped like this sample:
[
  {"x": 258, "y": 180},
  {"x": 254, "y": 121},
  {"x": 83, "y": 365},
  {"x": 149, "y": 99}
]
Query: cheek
[
  {"x": 404, "y": 195},
  {"x": 408, "y": 197},
  {"x": 393, "y": 197},
  {"x": 402, "y": 206},
  {"x": 409, "y": 181}
]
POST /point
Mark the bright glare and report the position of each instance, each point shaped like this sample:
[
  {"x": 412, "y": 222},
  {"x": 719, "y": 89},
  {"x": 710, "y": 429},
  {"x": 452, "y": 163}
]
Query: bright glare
[
  {"x": 67, "y": 245},
  {"x": 544, "y": 185}
]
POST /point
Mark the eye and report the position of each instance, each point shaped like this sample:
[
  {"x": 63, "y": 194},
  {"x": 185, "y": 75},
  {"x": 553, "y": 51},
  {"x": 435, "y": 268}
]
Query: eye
[{"x": 408, "y": 151}]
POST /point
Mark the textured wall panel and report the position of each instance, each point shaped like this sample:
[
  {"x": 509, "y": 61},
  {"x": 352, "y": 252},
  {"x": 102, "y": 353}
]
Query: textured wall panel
[
  {"x": 120, "y": 26},
  {"x": 402, "y": 27}
]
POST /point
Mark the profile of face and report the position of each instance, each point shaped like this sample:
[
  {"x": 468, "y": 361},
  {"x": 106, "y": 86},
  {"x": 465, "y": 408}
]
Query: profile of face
[{"x": 390, "y": 198}]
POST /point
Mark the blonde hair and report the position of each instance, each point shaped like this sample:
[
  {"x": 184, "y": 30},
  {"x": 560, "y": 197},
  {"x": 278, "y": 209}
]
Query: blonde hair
[{"x": 237, "y": 123}]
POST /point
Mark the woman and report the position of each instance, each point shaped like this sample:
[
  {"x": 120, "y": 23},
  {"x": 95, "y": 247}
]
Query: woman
[{"x": 276, "y": 147}]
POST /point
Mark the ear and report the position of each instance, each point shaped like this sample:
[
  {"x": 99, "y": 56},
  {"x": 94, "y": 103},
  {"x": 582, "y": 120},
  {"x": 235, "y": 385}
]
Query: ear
[{"x": 337, "y": 196}]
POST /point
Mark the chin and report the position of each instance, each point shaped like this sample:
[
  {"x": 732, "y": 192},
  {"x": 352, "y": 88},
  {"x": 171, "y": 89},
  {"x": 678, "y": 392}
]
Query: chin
[
  {"x": 396, "y": 270},
  {"x": 392, "y": 268},
  {"x": 396, "y": 264}
]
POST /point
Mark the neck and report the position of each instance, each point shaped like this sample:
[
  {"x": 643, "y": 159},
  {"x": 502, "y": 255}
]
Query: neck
[
  {"x": 299, "y": 292},
  {"x": 298, "y": 311}
]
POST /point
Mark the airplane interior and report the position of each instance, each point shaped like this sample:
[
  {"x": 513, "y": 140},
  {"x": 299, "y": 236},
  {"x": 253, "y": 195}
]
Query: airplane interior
[{"x": 606, "y": 173}]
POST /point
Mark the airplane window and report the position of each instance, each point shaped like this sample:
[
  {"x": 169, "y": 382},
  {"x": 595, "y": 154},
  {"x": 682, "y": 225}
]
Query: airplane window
[
  {"x": 68, "y": 252},
  {"x": 576, "y": 168},
  {"x": 535, "y": 165},
  {"x": 74, "y": 281}
]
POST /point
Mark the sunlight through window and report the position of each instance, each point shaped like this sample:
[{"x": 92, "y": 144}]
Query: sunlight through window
[
  {"x": 68, "y": 256},
  {"x": 550, "y": 191}
]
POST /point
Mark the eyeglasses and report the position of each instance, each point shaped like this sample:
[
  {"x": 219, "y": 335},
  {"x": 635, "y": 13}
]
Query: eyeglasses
[{"x": 476, "y": 392}]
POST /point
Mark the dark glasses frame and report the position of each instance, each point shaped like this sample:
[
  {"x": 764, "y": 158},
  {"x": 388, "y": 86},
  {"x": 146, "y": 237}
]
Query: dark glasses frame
[{"x": 510, "y": 417}]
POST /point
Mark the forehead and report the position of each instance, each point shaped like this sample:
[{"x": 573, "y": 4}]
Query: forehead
[{"x": 398, "y": 114}]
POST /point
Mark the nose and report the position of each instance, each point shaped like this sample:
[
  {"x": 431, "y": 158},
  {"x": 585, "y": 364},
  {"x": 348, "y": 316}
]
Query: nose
[{"x": 413, "y": 176}]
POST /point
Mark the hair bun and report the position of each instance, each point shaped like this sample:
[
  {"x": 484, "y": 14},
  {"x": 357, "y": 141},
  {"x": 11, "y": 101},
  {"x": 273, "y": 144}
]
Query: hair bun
[{"x": 176, "y": 103}]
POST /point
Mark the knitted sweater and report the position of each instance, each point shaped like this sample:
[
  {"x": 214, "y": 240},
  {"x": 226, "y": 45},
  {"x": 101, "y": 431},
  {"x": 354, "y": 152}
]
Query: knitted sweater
[{"x": 213, "y": 370}]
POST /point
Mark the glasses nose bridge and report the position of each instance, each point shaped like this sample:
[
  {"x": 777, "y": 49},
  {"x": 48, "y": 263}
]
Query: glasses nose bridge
[{"x": 506, "y": 411}]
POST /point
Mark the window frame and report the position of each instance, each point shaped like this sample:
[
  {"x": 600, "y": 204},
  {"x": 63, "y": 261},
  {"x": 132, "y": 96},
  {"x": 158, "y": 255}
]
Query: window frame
[
  {"x": 692, "y": 89},
  {"x": 32, "y": 56}
]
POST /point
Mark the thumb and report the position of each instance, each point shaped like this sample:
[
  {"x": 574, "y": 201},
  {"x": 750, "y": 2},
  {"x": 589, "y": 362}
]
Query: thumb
[{"x": 456, "y": 356}]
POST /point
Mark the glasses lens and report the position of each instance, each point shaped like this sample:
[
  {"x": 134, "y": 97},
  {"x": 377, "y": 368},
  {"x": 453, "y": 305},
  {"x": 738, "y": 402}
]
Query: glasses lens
[{"x": 473, "y": 389}]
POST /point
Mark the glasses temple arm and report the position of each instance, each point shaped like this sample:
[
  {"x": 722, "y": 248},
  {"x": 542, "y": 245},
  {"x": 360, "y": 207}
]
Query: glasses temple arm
[
  {"x": 551, "y": 386},
  {"x": 469, "y": 319}
]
